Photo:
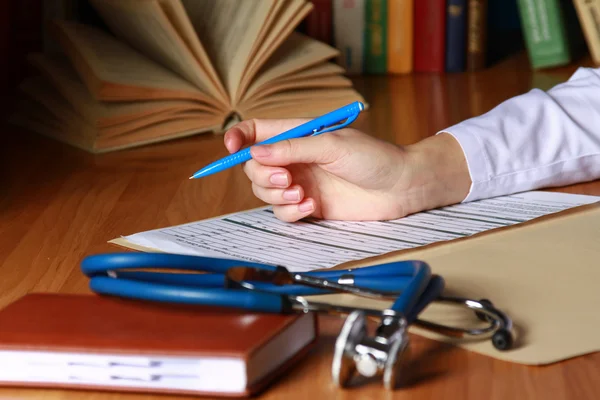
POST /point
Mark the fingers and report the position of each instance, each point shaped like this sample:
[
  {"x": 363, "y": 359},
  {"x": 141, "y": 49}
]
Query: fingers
[
  {"x": 295, "y": 212},
  {"x": 322, "y": 149},
  {"x": 267, "y": 176},
  {"x": 252, "y": 131},
  {"x": 273, "y": 185},
  {"x": 292, "y": 195}
]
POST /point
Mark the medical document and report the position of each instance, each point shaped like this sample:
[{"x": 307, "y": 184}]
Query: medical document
[{"x": 257, "y": 235}]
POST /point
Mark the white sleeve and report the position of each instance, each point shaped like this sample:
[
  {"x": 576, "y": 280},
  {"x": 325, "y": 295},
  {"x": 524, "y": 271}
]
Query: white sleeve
[{"x": 535, "y": 140}]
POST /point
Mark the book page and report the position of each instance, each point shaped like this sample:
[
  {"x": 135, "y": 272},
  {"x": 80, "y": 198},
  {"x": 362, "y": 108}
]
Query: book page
[
  {"x": 258, "y": 236},
  {"x": 278, "y": 8},
  {"x": 228, "y": 29},
  {"x": 151, "y": 121},
  {"x": 290, "y": 17},
  {"x": 171, "y": 127},
  {"x": 296, "y": 53},
  {"x": 60, "y": 73},
  {"x": 156, "y": 372},
  {"x": 320, "y": 83},
  {"x": 175, "y": 11},
  {"x": 113, "y": 70},
  {"x": 145, "y": 27},
  {"x": 324, "y": 100},
  {"x": 319, "y": 70},
  {"x": 310, "y": 103},
  {"x": 309, "y": 75},
  {"x": 39, "y": 90},
  {"x": 73, "y": 128},
  {"x": 52, "y": 117}
]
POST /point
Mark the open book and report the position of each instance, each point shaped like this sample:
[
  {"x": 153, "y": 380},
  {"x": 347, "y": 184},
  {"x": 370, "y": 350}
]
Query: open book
[{"x": 172, "y": 68}]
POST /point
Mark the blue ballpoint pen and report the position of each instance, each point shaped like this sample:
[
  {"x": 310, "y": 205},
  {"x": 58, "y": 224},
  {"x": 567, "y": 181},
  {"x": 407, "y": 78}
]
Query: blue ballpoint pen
[{"x": 317, "y": 126}]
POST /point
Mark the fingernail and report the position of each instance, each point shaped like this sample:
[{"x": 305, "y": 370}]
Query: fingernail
[
  {"x": 279, "y": 179},
  {"x": 306, "y": 206},
  {"x": 228, "y": 141},
  {"x": 260, "y": 151},
  {"x": 293, "y": 194}
]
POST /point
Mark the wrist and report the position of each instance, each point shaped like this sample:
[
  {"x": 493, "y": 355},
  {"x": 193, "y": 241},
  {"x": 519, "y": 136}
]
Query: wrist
[{"x": 439, "y": 173}]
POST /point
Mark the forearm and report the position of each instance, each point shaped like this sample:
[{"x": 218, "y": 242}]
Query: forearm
[{"x": 539, "y": 139}]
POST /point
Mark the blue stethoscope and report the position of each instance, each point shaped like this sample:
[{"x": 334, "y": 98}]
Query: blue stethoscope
[{"x": 259, "y": 287}]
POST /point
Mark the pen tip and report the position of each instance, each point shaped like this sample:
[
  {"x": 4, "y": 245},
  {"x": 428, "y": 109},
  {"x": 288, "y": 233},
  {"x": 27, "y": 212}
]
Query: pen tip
[{"x": 191, "y": 177}]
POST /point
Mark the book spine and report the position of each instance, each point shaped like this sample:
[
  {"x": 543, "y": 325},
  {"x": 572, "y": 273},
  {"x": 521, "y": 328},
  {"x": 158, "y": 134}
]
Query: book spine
[
  {"x": 456, "y": 28},
  {"x": 430, "y": 36},
  {"x": 477, "y": 34},
  {"x": 348, "y": 34},
  {"x": 376, "y": 37},
  {"x": 544, "y": 33},
  {"x": 400, "y": 36},
  {"x": 319, "y": 23},
  {"x": 588, "y": 12}
]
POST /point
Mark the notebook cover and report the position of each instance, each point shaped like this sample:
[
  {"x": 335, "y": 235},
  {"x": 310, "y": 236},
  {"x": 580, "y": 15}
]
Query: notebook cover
[{"x": 108, "y": 325}]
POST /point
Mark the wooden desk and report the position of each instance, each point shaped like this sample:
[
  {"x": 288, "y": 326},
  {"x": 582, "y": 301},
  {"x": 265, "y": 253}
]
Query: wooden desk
[{"x": 59, "y": 204}]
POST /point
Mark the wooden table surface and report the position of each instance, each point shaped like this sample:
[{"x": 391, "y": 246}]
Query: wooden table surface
[{"x": 59, "y": 204}]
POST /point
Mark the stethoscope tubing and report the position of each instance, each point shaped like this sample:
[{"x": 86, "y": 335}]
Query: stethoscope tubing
[
  {"x": 392, "y": 285},
  {"x": 410, "y": 283},
  {"x": 218, "y": 297},
  {"x": 102, "y": 263},
  {"x": 391, "y": 278},
  {"x": 406, "y": 281}
]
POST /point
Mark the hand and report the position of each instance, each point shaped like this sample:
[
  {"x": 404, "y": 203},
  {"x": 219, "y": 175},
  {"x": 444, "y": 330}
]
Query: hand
[{"x": 345, "y": 174}]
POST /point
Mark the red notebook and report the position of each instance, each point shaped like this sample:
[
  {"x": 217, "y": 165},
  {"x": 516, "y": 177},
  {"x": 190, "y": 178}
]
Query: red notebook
[{"x": 105, "y": 343}]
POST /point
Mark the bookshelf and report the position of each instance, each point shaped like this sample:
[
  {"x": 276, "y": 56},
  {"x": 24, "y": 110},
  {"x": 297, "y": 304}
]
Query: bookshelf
[
  {"x": 502, "y": 41},
  {"x": 453, "y": 36}
]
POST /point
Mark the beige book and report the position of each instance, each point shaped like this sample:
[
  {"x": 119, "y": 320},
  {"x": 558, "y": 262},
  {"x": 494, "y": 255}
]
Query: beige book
[
  {"x": 43, "y": 103},
  {"x": 588, "y": 12},
  {"x": 164, "y": 69}
]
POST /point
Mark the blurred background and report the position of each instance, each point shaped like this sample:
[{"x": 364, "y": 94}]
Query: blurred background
[{"x": 388, "y": 40}]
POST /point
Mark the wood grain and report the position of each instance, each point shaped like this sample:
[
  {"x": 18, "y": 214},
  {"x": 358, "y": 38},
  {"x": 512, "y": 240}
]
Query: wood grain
[{"x": 59, "y": 204}]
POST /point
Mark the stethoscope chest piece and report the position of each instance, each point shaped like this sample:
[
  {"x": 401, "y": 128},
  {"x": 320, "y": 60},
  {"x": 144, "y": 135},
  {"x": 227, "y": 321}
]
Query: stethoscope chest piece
[{"x": 383, "y": 353}]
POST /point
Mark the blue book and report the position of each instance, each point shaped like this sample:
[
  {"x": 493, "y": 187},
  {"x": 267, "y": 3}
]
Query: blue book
[{"x": 456, "y": 35}]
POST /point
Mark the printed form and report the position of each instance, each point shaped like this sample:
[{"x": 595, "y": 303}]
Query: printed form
[{"x": 257, "y": 235}]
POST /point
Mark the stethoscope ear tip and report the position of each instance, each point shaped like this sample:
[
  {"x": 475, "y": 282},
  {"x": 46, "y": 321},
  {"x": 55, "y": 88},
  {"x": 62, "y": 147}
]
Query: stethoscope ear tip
[{"x": 502, "y": 339}]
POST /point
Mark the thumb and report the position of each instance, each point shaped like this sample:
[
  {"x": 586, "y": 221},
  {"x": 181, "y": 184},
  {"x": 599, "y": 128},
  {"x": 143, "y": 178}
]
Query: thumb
[
  {"x": 249, "y": 132},
  {"x": 322, "y": 149}
]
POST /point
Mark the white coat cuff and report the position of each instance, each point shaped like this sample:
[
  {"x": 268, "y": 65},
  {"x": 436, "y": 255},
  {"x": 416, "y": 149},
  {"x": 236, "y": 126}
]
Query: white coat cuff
[{"x": 475, "y": 155}]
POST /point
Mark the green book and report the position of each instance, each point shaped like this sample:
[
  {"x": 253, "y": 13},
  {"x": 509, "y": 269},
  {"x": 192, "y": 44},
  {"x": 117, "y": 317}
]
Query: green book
[
  {"x": 376, "y": 36},
  {"x": 545, "y": 32}
]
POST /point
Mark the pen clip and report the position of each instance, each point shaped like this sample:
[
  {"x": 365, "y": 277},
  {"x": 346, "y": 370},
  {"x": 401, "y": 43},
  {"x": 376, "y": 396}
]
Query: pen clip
[{"x": 348, "y": 121}]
